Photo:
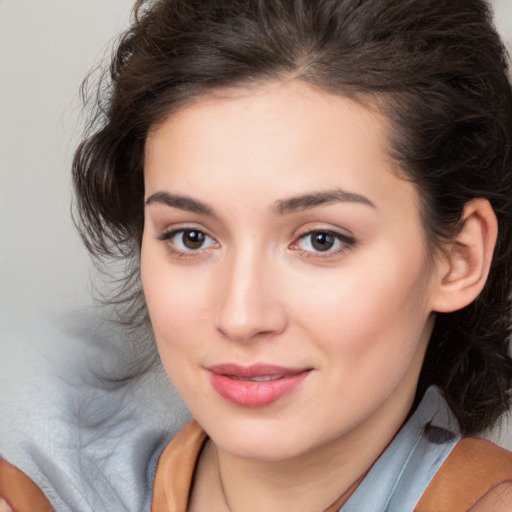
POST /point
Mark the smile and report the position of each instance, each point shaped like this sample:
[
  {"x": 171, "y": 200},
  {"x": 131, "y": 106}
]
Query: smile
[{"x": 257, "y": 385}]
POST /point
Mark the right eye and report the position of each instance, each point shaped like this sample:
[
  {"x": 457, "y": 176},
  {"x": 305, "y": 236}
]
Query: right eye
[{"x": 188, "y": 240}]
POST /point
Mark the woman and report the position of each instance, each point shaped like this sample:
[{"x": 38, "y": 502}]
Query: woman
[{"x": 316, "y": 197}]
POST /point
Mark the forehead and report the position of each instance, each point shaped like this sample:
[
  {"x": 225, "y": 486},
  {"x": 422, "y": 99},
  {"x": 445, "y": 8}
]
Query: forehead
[{"x": 285, "y": 138}]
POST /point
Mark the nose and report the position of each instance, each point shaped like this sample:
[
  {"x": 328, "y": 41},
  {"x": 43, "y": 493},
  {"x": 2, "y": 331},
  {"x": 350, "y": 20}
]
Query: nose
[{"x": 249, "y": 301}]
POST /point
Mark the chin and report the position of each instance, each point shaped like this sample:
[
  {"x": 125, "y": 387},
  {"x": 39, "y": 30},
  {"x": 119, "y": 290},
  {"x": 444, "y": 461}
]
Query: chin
[{"x": 269, "y": 441}]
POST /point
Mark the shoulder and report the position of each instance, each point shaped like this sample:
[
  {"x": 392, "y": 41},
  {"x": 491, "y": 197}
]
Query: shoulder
[
  {"x": 476, "y": 476},
  {"x": 19, "y": 492},
  {"x": 498, "y": 499}
]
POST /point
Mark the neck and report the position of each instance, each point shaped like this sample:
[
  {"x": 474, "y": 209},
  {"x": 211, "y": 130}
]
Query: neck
[{"x": 295, "y": 485}]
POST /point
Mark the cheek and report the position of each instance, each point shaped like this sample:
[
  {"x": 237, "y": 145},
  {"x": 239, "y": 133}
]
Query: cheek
[
  {"x": 174, "y": 312},
  {"x": 173, "y": 299},
  {"x": 370, "y": 319}
]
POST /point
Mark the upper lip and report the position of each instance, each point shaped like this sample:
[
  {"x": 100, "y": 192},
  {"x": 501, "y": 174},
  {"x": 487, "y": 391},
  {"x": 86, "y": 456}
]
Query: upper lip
[{"x": 255, "y": 370}]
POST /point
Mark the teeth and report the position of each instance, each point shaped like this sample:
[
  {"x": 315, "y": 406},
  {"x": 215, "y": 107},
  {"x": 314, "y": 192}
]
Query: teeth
[
  {"x": 263, "y": 378},
  {"x": 266, "y": 378}
]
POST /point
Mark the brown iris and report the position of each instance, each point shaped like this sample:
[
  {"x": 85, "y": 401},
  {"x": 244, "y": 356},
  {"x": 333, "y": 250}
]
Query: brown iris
[
  {"x": 193, "y": 239},
  {"x": 322, "y": 241}
]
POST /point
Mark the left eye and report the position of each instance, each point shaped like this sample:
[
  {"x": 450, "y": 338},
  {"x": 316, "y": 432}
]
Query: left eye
[
  {"x": 187, "y": 240},
  {"x": 323, "y": 241}
]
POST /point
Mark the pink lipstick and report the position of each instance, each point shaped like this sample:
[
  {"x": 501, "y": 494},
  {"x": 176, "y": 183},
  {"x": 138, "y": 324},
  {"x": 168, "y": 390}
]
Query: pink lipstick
[{"x": 257, "y": 385}]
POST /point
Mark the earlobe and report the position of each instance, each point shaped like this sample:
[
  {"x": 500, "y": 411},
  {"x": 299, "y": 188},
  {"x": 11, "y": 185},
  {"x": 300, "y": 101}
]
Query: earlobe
[{"x": 463, "y": 271}]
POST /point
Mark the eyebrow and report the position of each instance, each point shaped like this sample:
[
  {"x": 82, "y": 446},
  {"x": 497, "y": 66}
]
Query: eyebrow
[
  {"x": 281, "y": 207},
  {"x": 182, "y": 202},
  {"x": 308, "y": 201}
]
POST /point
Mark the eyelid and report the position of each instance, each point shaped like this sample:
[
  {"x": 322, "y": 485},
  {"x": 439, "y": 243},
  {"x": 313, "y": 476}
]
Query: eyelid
[{"x": 167, "y": 231}]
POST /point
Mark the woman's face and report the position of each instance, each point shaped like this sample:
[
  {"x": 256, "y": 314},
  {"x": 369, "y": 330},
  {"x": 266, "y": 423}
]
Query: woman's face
[{"x": 285, "y": 270}]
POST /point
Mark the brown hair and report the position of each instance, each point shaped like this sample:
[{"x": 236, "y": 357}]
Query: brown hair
[{"x": 437, "y": 69}]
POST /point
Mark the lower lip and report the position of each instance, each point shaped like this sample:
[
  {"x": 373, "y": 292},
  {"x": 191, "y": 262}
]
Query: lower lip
[{"x": 255, "y": 394}]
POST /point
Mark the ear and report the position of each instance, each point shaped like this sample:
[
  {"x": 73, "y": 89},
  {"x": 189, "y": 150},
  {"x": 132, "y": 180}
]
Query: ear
[{"x": 463, "y": 271}]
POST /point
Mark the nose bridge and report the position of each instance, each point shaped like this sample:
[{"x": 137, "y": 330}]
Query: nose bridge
[{"x": 247, "y": 303}]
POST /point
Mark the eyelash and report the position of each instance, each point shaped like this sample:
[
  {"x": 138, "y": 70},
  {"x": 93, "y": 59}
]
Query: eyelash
[{"x": 345, "y": 243}]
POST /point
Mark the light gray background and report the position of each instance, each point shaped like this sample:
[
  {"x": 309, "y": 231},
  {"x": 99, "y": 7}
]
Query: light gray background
[{"x": 46, "y": 48}]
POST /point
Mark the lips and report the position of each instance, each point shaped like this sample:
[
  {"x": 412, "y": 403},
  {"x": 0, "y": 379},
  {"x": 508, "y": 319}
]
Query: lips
[{"x": 256, "y": 385}]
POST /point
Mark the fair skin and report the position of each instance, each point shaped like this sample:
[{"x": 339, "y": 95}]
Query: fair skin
[{"x": 278, "y": 232}]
